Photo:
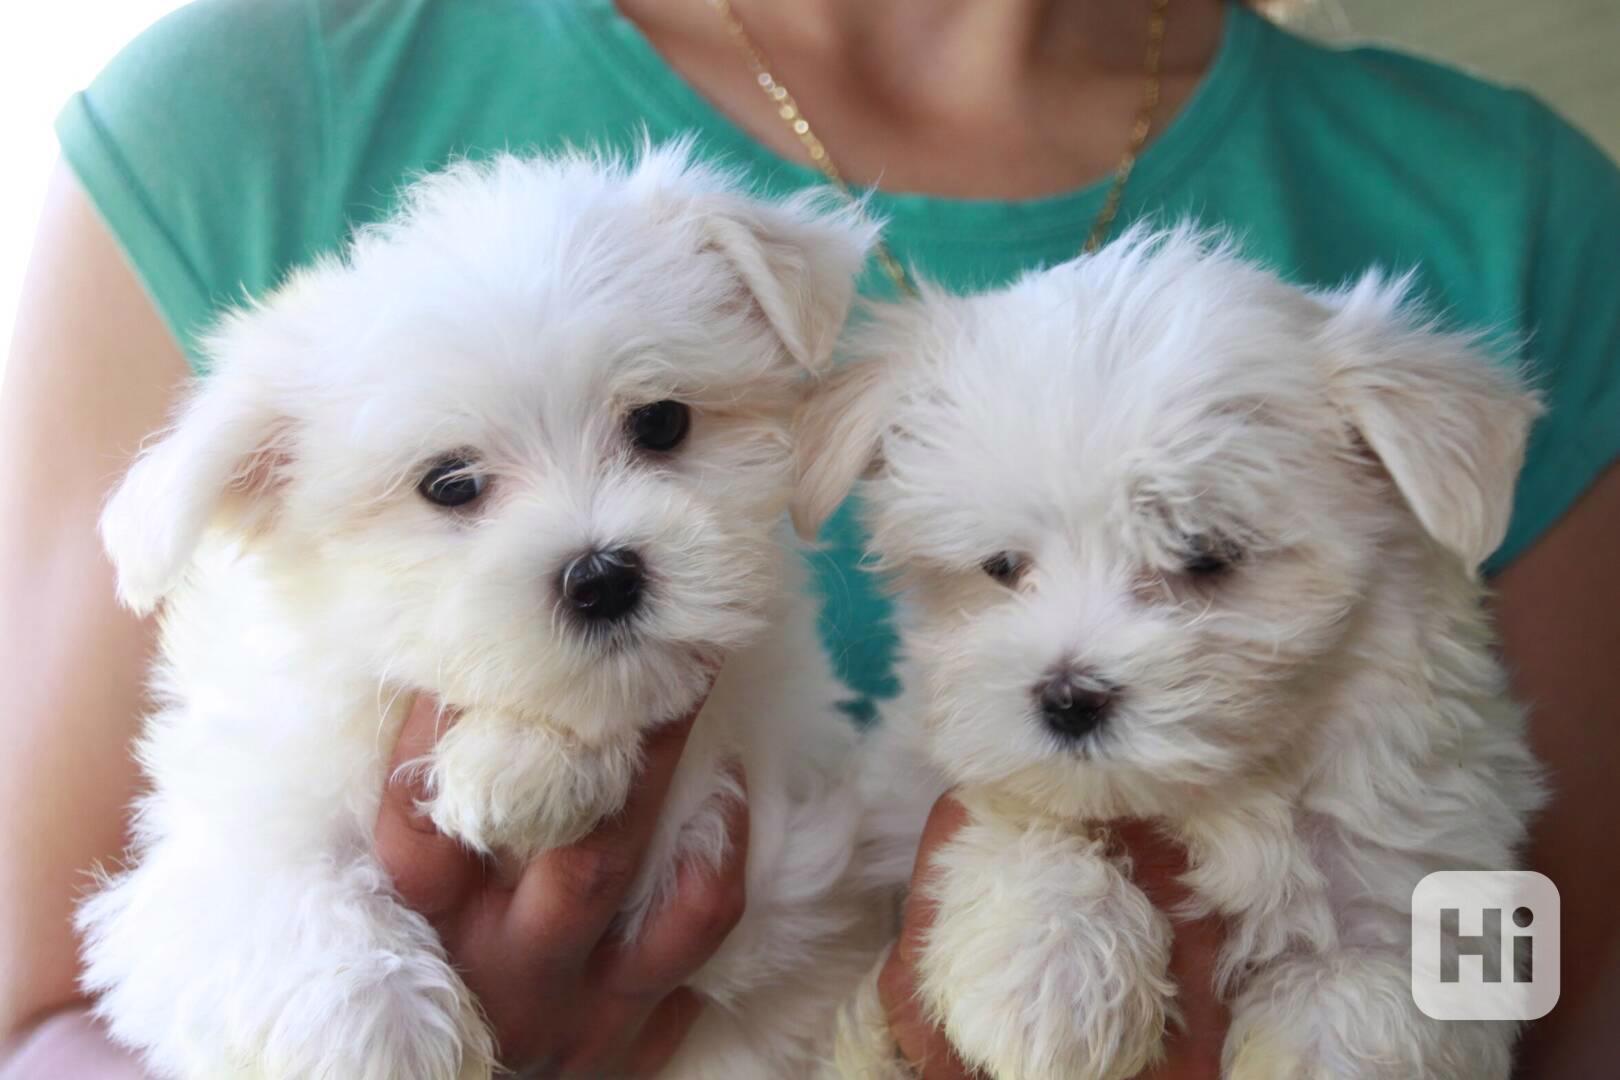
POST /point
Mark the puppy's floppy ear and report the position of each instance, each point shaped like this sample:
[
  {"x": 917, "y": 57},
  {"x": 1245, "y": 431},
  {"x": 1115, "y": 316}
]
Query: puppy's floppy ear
[
  {"x": 1447, "y": 421},
  {"x": 798, "y": 260},
  {"x": 837, "y": 438},
  {"x": 220, "y": 458}
]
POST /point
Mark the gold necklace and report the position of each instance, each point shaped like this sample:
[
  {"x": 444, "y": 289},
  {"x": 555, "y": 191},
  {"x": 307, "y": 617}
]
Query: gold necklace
[{"x": 788, "y": 109}]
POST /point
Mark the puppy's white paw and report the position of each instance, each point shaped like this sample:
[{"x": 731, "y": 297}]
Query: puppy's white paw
[
  {"x": 313, "y": 970},
  {"x": 863, "y": 1048},
  {"x": 396, "y": 1030},
  {"x": 1044, "y": 959},
  {"x": 1350, "y": 1016},
  {"x": 1267, "y": 1053},
  {"x": 509, "y": 783}
]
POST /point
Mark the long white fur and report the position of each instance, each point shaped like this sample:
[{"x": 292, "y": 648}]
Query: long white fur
[
  {"x": 517, "y": 310},
  {"x": 1322, "y": 726}
]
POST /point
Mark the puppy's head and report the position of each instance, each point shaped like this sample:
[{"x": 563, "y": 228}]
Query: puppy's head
[
  {"x": 526, "y": 444},
  {"x": 1138, "y": 500}
]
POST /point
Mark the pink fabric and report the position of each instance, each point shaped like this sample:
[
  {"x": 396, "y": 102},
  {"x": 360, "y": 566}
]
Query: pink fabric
[{"x": 68, "y": 1044}]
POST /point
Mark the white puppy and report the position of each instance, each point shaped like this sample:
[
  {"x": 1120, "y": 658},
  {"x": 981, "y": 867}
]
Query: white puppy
[
  {"x": 525, "y": 446},
  {"x": 1183, "y": 542}
]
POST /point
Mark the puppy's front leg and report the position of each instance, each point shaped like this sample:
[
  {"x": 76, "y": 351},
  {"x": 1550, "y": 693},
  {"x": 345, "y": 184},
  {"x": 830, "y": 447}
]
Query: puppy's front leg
[
  {"x": 1350, "y": 1015},
  {"x": 274, "y": 967},
  {"x": 1249, "y": 862},
  {"x": 863, "y": 1047},
  {"x": 1324, "y": 994},
  {"x": 1044, "y": 959},
  {"x": 518, "y": 784}
]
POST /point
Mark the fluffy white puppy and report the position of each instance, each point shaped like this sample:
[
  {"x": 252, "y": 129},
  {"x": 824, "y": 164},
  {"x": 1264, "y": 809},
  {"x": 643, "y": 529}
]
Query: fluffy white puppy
[
  {"x": 1180, "y": 541},
  {"x": 525, "y": 446}
]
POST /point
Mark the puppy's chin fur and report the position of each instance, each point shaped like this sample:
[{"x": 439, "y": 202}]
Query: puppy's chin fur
[
  {"x": 512, "y": 320},
  {"x": 1316, "y": 713}
]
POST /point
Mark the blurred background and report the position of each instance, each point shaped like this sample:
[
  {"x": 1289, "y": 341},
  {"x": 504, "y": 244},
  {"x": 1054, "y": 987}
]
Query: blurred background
[{"x": 1568, "y": 51}]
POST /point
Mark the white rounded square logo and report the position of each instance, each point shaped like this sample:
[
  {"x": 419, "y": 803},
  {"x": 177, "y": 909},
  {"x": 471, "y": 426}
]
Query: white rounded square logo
[{"x": 1485, "y": 945}]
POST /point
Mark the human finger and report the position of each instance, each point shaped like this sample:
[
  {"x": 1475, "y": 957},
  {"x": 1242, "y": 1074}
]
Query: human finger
[
  {"x": 432, "y": 873},
  {"x": 1158, "y": 867},
  {"x": 664, "y": 1032},
  {"x": 921, "y": 1043},
  {"x": 707, "y": 903},
  {"x": 566, "y": 898}
]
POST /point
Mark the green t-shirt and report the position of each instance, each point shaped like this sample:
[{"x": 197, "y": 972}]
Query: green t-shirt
[{"x": 238, "y": 138}]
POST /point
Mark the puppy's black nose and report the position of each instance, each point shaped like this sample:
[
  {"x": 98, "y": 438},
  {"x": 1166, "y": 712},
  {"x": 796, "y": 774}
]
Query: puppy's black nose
[
  {"x": 604, "y": 585},
  {"x": 1072, "y": 702}
]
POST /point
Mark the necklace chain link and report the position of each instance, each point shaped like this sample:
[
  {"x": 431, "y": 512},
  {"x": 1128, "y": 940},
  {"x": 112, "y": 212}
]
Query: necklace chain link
[{"x": 787, "y": 108}]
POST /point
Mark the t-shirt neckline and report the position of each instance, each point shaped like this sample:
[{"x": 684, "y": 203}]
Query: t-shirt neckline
[{"x": 662, "y": 94}]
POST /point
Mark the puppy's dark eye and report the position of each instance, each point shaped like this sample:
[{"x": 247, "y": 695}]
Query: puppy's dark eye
[
  {"x": 1004, "y": 566},
  {"x": 451, "y": 481},
  {"x": 1209, "y": 555},
  {"x": 659, "y": 427}
]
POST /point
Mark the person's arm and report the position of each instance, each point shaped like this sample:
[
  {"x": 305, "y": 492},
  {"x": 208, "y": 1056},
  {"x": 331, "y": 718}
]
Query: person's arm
[
  {"x": 1558, "y": 614},
  {"x": 92, "y": 371}
]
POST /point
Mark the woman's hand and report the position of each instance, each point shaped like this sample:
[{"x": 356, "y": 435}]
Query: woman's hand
[
  {"x": 562, "y": 994},
  {"x": 1194, "y": 1052}
]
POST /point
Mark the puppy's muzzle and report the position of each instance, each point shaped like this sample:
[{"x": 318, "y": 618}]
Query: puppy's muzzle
[
  {"x": 604, "y": 585},
  {"x": 1072, "y": 701}
]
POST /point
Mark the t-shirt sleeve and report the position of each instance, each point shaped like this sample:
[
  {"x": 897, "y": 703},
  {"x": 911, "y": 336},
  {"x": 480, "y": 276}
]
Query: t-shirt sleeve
[
  {"x": 201, "y": 145},
  {"x": 1572, "y": 310}
]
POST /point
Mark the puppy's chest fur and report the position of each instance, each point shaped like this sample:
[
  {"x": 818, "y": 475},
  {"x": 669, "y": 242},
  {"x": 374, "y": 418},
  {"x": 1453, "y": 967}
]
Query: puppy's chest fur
[{"x": 274, "y": 724}]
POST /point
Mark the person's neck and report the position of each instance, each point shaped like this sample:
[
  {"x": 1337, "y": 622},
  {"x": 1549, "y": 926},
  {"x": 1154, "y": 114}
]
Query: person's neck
[
  {"x": 942, "y": 55},
  {"x": 994, "y": 99}
]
